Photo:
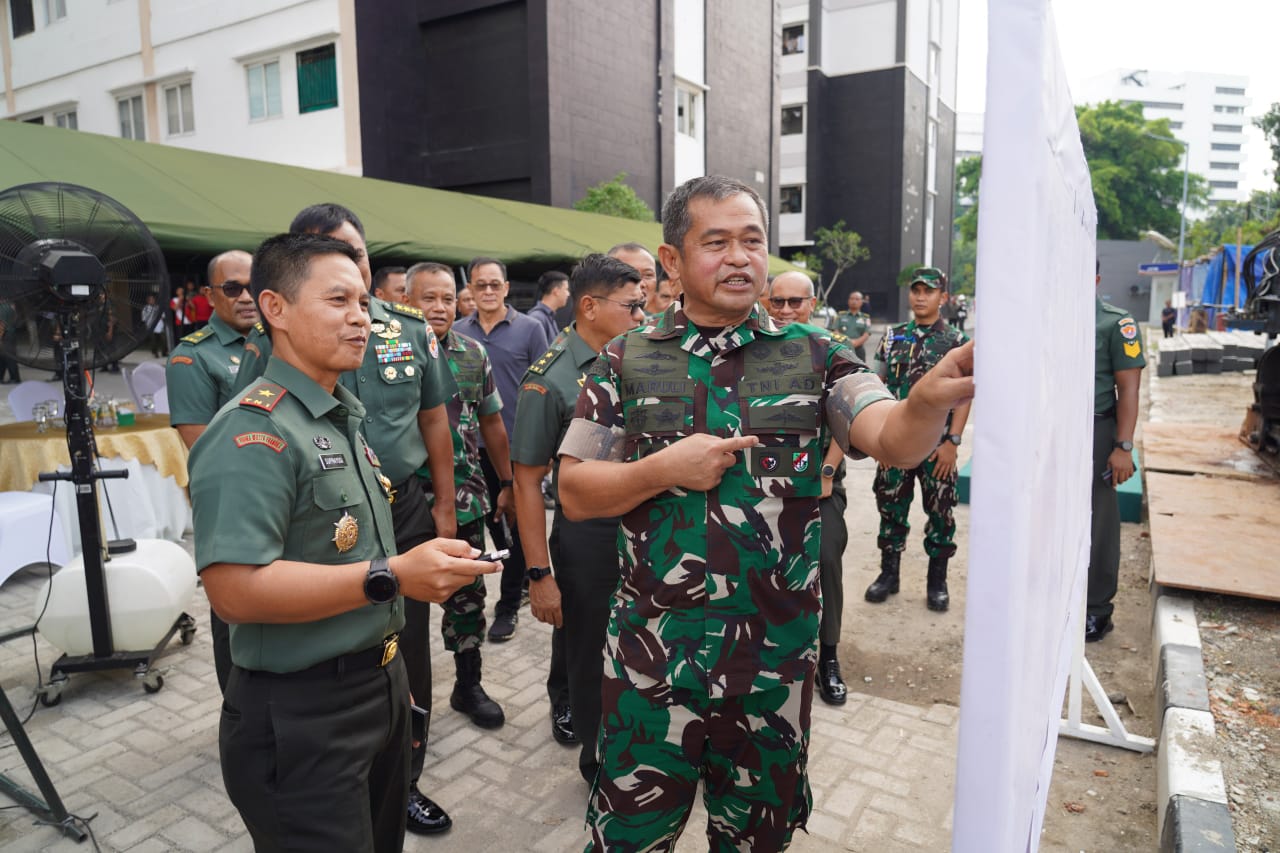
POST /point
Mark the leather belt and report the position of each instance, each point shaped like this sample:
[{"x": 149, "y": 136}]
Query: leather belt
[{"x": 374, "y": 657}]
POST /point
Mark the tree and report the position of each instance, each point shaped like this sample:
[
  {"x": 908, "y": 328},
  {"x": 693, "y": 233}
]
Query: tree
[
  {"x": 1249, "y": 221},
  {"x": 841, "y": 248},
  {"x": 615, "y": 198},
  {"x": 1136, "y": 171},
  {"x": 968, "y": 174},
  {"x": 1269, "y": 122}
]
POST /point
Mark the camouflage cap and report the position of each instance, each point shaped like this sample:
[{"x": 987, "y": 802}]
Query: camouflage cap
[{"x": 931, "y": 277}]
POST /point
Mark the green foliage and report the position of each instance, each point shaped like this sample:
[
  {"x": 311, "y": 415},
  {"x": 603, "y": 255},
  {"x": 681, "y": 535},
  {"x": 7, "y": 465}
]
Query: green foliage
[
  {"x": 841, "y": 248},
  {"x": 1136, "y": 170},
  {"x": 968, "y": 174},
  {"x": 1269, "y": 122},
  {"x": 964, "y": 261},
  {"x": 615, "y": 198},
  {"x": 809, "y": 260},
  {"x": 1248, "y": 221}
]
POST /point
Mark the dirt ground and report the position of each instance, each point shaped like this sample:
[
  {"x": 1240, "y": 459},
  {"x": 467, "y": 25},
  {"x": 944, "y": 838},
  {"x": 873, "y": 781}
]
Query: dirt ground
[{"x": 1101, "y": 798}]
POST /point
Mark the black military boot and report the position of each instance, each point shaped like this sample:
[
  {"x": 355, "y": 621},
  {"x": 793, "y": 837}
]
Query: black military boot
[
  {"x": 937, "y": 598},
  {"x": 469, "y": 697},
  {"x": 887, "y": 584}
]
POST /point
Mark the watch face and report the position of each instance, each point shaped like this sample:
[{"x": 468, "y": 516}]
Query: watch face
[
  {"x": 381, "y": 588},
  {"x": 828, "y": 470}
]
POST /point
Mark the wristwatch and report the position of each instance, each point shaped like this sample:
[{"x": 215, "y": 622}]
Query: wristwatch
[
  {"x": 954, "y": 439},
  {"x": 537, "y": 573},
  {"x": 1126, "y": 446},
  {"x": 380, "y": 585},
  {"x": 502, "y": 484},
  {"x": 828, "y": 470}
]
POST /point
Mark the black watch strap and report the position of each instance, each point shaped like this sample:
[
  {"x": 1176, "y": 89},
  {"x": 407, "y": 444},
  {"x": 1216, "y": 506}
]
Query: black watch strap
[
  {"x": 502, "y": 484},
  {"x": 537, "y": 573}
]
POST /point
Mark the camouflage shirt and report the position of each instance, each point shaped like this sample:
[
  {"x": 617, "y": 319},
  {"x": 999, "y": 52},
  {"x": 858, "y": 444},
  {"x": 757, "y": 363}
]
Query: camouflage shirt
[
  {"x": 719, "y": 590},
  {"x": 908, "y": 351},
  {"x": 477, "y": 395}
]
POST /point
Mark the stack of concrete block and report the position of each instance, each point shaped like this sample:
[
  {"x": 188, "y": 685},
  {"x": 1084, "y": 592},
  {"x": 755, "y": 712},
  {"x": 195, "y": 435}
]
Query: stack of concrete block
[
  {"x": 1175, "y": 357},
  {"x": 1206, "y": 353},
  {"x": 1249, "y": 348},
  {"x": 1231, "y": 360}
]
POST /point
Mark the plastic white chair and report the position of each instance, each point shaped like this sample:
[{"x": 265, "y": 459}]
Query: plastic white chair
[
  {"x": 161, "y": 399},
  {"x": 31, "y": 532},
  {"x": 146, "y": 378},
  {"x": 25, "y": 396}
]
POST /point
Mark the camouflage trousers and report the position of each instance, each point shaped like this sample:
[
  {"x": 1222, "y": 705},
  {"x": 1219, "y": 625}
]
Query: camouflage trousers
[
  {"x": 657, "y": 742},
  {"x": 895, "y": 489},
  {"x": 462, "y": 623}
]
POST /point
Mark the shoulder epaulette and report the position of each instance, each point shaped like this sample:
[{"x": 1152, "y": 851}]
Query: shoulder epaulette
[
  {"x": 838, "y": 337},
  {"x": 198, "y": 335},
  {"x": 408, "y": 310},
  {"x": 259, "y": 328},
  {"x": 263, "y": 395},
  {"x": 547, "y": 358}
]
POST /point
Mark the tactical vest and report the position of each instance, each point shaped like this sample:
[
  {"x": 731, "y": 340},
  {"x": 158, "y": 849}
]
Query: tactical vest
[
  {"x": 778, "y": 396},
  {"x": 470, "y": 374}
]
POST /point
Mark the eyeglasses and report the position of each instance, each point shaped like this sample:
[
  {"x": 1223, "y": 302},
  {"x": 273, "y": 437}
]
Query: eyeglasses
[
  {"x": 233, "y": 289},
  {"x": 487, "y": 285},
  {"x": 632, "y": 307},
  {"x": 794, "y": 302}
]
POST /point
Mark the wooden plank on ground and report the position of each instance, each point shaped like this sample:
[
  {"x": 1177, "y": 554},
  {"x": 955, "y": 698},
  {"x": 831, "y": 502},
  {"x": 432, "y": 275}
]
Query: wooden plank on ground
[
  {"x": 1215, "y": 534},
  {"x": 1201, "y": 449}
]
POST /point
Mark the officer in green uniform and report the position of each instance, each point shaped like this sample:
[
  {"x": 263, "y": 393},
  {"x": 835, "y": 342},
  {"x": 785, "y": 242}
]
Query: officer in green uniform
[
  {"x": 855, "y": 325},
  {"x": 607, "y": 300},
  {"x": 295, "y": 546},
  {"x": 199, "y": 376},
  {"x": 906, "y": 354},
  {"x": 474, "y": 412},
  {"x": 1117, "y": 376},
  {"x": 404, "y": 384},
  {"x": 704, "y": 432}
]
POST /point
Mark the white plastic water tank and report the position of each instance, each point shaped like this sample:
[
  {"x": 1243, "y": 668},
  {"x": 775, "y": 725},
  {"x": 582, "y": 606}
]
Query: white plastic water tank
[{"x": 148, "y": 589}]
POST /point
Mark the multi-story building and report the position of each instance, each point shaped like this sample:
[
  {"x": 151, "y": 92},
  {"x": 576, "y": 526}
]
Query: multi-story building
[
  {"x": 868, "y": 134},
  {"x": 270, "y": 79},
  {"x": 1206, "y": 111}
]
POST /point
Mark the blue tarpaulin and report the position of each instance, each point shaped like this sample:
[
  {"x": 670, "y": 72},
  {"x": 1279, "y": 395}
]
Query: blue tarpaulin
[{"x": 1220, "y": 281}]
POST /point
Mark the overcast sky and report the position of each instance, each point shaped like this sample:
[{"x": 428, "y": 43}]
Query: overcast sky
[{"x": 1169, "y": 35}]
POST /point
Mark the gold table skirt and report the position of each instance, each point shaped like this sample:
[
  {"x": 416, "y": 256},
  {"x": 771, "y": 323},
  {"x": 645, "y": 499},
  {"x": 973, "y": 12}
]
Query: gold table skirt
[{"x": 25, "y": 453}]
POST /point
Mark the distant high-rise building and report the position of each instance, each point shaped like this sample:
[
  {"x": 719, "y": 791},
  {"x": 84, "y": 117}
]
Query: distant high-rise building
[
  {"x": 1206, "y": 111},
  {"x": 868, "y": 134}
]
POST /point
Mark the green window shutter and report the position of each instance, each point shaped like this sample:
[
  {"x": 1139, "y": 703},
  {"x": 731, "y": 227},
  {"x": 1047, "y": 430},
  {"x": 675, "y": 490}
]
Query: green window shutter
[{"x": 317, "y": 79}]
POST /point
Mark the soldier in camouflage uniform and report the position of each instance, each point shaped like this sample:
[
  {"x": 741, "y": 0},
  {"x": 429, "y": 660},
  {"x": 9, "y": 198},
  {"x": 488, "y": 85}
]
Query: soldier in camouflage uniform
[
  {"x": 431, "y": 288},
  {"x": 907, "y": 352},
  {"x": 704, "y": 432},
  {"x": 855, "y": 324},
  {"x": 1117, "y": 377}
]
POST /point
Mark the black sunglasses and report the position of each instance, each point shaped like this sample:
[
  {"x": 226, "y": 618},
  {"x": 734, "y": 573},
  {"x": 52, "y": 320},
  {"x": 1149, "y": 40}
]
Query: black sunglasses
[
  {"x": 233, "y": 289},
  {"x": 793, "y": 301}
]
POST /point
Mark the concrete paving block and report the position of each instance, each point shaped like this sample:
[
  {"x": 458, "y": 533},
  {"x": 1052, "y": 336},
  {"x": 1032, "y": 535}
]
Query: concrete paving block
[
  {"x": 1186, "y": 764},
  {"x": 1173, "y": 623},
  {"x": 1180, "y": 681},
  {"x": 1195, "y": 826}
]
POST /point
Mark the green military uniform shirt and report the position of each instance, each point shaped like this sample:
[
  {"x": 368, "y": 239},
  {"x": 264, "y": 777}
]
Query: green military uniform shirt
[
  {"x": 283, "y": 472},
  {"x": 853, "y": 326},
  {"x": 548, "y": 396},
  {"x": 908, "y": 351},
  {"x": 1117, "y": 346},
  {"x": 477, "y": 396},
  {"x": 202, "y": 371},
  {"x": 719, "y": 590}
]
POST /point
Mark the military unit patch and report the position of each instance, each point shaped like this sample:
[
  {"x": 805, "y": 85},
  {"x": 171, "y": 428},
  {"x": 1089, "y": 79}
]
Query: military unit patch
[
  {"x": 1128, "y": 328},
  {"x": 266, "y": 439},
  {"x": 1132, "y": 349},
  {"x": 433, "y": 346},
  {"x": 181, "y": 359}
]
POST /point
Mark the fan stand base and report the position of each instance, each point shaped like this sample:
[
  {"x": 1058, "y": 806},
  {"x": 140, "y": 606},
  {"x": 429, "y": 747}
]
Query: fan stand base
[
  {"x": 142, "y": 663},
  {"x": 121, "y": 546}
]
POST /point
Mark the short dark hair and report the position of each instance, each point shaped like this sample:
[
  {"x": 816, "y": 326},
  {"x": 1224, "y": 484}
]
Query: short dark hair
[
  {"x": 325, "y": 218},
  {"x": 426, "y": 267},
  {"x": 381, "y": 276},
  {"x": 479, "y": 262},
  {"x": 549, "y": 281},
  {"x": 675, "y": 210},
  {"x": 627, "y": 247},
  {"x": 598, "y": 274},
  {"x": 283, "y": 262},
  {"x": 1097, "y": 266}
]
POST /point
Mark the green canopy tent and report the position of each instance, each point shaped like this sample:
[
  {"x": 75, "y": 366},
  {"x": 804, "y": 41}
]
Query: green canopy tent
[{"x": 198, "y": 204}]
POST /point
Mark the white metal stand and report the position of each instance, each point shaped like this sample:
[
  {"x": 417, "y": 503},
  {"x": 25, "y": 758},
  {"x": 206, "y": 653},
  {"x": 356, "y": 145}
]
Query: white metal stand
[{"x": 1114, "y": 733}]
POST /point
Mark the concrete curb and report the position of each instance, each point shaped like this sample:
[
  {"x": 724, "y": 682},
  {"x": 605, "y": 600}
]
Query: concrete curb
[{"x": 1191, "y": 795}]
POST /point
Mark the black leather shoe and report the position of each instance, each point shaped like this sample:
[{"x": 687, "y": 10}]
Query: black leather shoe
[
  {"x": 562, "y": 725},
  {"x": 504, "y": 625},
  {"x": 425, "y": 817},
  {"x": 830, "y": 684},
  {"x": 1096, "y": 627}
]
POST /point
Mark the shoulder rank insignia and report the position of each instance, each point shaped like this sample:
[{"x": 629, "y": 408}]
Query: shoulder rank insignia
[
  {"x": 839, "y": 337},
  {"x": 259, "y": 328},
  {"x": 264, "y": 395},
  {"x": 546, "y": 359},
  {"x": 198, "y": 335},
  {"x": 401, "y": 308}
]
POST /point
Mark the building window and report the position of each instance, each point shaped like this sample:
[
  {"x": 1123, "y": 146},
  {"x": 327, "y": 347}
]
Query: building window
[
  {"x": 1224, "y": 185},
  {"x": 1227, "y": 90},
  {"x": 182, "y": 114},
  {"x": 317, "y": 79},
  {"x": 1214, "y": 164},
  {"x": 66, "y": 119},
  {"x": 1225, "y": 146},
  {"x": 791, "y": 199},
  {"x": 688, "y": 108},
  {"x": 34, "y": 120},
  {"x": 133, "y": 124},
  {"x": 793, "y": 39},
  {"x": 54, "y": 10},
  {"x": 1227, "y": 128},
  {"x": 1161, "y": 105},
  {"x": 22, "y": 17},
  {"x": 1175, "y": 125},
  {"x": 792, "y": 120},
  {"x": 264, "y": 90}
]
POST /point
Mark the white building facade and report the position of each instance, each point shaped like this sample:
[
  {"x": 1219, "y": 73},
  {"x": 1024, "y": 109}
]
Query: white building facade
[
  {"x": 272, "y": 80},
  {"x": 1209, "y": 112}
]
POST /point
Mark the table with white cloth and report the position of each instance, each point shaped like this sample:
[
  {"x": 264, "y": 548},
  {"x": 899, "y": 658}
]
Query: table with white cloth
[{"x": 151, "y": 503}]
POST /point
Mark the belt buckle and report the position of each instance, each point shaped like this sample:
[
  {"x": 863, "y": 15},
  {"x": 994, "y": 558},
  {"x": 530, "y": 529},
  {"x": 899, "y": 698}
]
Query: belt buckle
[{"x": 389, "y": 648}]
